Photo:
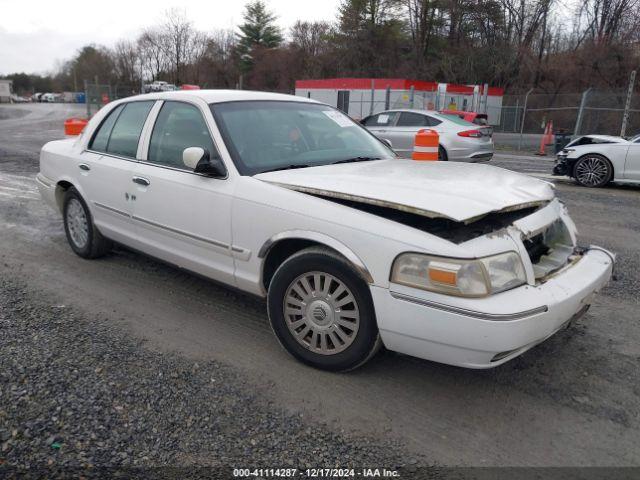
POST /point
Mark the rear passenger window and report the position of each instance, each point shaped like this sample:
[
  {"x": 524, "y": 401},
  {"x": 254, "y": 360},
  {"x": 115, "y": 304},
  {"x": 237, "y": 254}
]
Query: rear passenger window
[
  {"x": 432, "y": 122},
  {"x": 380, "y": 120},
  {"x": 126, "y": 132},
  {"x": 179, "y": 126},
  {"x": 410, "y": 119},
  {"x": 101, "y": 138}
]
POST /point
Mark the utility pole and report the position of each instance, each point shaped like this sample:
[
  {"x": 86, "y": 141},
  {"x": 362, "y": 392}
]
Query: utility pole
[{"x": 627, "y": 105}]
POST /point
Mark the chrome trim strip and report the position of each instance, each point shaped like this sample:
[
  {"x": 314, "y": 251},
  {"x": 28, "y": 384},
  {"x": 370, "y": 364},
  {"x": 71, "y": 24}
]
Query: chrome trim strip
[
  {"x": 323, "y": 239},
  {"x": 240, "y": 253},
  {"x": 111, "y": 209},
  {"x": 183, "y": 233},
  {"x": 500, "y": 317}
]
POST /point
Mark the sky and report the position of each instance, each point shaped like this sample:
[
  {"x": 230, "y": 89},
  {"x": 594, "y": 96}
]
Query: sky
[{"x": 37, "y": 36}]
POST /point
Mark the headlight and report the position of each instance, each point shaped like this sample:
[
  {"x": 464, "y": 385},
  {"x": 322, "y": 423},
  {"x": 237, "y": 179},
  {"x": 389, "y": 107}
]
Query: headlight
[{"x": 466, "y": 278}]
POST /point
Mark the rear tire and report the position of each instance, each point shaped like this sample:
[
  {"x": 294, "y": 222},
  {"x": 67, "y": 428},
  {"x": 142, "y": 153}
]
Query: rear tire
[
  {"x": 83, "y": 236},
  {"x": 442, "y": 154},
  {"x": 321, "y": 311}
]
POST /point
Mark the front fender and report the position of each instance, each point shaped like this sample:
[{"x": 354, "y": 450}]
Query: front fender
[{"x": 321, "y": 238}]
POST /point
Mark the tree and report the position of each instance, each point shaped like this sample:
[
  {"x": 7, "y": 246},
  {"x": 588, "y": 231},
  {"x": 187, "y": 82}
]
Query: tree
[
  {"x": 126, "y": 61},
  {"x": 258, "y": 31},
  {"x": 152, "y": 53},
  {"x": 176, "y": 37},
  {"x": 312, "y": 47},
  {"x": 370, "y": 37}
]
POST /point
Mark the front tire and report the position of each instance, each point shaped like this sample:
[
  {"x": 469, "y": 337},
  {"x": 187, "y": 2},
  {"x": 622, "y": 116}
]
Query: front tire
[
  {"x": 321, "y": 311},
  {"x": 83, "y": 236},
  {"x": 593, "y": 171}
]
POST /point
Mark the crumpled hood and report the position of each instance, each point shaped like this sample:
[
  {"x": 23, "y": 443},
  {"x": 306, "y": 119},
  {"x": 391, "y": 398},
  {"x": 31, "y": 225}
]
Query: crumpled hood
[{"x": 458, "y": 191}]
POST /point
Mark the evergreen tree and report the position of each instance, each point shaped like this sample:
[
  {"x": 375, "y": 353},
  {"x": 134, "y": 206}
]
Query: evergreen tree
[{"x": 258, "y": 31}]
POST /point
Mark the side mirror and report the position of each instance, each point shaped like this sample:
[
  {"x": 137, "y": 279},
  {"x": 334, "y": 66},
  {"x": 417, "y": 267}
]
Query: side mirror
[
  {"x": 387, "y": 142},
  {"x": 199, "y": 160}
]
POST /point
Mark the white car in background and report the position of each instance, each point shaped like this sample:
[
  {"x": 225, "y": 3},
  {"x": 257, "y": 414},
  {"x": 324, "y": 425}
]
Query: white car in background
[
  {"x": 596, "y": 160},
  {"x": 460, "y": 140},
  {"x": 353, "y": 248}
]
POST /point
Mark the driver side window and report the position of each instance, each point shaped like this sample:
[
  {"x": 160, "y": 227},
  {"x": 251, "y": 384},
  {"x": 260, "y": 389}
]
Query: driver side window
[{"x": 178, "y": 126}]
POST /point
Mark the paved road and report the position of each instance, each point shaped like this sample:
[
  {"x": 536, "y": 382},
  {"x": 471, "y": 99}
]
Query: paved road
[{"x": 573, "y": 400}]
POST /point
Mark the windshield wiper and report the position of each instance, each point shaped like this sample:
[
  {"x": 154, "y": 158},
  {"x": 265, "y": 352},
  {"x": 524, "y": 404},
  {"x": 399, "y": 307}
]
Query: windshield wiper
[
  {"x": 356, "y": 159},
  {"x": 286, "y": 167}
]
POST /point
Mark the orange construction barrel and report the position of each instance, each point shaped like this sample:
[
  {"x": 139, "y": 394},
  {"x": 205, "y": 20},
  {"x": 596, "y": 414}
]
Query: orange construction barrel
[
  {"x": 74, "y": 126},
  {"x": 426, "y": 145}
]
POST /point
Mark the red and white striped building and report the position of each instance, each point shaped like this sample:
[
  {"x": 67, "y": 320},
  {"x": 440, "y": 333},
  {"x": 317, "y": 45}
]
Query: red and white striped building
[{"x": 359, "y": 97}]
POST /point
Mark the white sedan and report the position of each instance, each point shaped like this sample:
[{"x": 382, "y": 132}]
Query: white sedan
[
  {"x": 596, "y": 160},
  {"x": 291, "y": 200},
  {"x": 459, "y": 140}
]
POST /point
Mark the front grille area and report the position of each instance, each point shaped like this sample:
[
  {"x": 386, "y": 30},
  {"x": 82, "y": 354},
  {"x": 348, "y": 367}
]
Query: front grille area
[{"x": 550, "y": 250}]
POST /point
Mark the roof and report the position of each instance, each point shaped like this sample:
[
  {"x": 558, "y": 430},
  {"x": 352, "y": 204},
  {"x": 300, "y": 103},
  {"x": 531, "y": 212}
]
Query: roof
[{"x": 217, "y": 96}]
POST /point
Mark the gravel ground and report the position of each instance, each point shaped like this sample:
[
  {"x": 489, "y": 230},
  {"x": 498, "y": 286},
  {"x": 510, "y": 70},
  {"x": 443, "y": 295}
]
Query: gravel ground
[{"x": 76, "y": 392}]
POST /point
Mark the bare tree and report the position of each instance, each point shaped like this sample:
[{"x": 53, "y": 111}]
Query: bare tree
[
  {"x": 151, "y": 50},
  {"x": 127, "y": 62},
  {"x": 605, "y": 21},
  {"x": 421, "y": 15},
  {"x": 177, "y": 32}
]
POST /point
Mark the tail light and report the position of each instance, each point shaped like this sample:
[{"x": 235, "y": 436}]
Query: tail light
[{"x": 471, "y": 133}]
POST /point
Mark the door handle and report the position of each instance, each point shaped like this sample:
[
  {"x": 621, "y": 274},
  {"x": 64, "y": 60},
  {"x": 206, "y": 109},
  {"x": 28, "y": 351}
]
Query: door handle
[
  {"x": 84, "y": 166},
  {"x": 141, "y": 181}
]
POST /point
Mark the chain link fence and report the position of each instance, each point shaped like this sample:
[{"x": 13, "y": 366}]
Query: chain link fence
[
  {"x": 588, "y": 112},
  {"x": 98, "y": 95}
]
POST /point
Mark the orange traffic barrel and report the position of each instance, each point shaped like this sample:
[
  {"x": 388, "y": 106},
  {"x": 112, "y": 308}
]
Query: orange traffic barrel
[
  {"x": 426, "y": 145},
  {"x": 74, "y": 126}
]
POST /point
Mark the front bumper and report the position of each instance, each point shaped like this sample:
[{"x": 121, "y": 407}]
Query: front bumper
[
  {"x": 563, "y": 166},
  {"x": 486, "y": 332}
]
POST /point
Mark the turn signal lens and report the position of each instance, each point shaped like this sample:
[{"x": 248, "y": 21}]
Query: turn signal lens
[{"x": 442, "y": 275}]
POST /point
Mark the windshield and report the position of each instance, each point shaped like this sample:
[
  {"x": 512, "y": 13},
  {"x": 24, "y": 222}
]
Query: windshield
[{"x": 270, "y": 135}]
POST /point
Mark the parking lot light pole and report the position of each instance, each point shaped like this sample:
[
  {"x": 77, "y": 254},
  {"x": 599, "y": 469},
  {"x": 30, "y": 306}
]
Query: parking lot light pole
[{"x": 524, "y": 114}]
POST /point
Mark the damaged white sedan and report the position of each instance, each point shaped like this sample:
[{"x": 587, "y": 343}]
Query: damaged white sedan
[{"x": 289, "y": 199}]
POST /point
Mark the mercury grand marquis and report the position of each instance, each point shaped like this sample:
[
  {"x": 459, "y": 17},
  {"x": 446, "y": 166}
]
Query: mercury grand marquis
[{"x": 353, "y": 248}]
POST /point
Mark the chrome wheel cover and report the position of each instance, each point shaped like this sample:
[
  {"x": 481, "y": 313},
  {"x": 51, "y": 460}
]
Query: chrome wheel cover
[
  {"x": 321, "y": 313},
  {"x": 77, "y": 223},
  {"x": 592, "y": 171}
]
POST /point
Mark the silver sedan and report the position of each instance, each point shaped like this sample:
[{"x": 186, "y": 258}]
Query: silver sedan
[{"x": 459, "y": 140}]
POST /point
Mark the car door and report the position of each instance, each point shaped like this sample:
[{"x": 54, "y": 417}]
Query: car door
[
  {"x": 632, "y": 162},
  {"x": 380, "y": 123},
  {"x": 105, "y": 169},
  {"x": 181, "y": 216},
  {"x": 403, "y": 133}
]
